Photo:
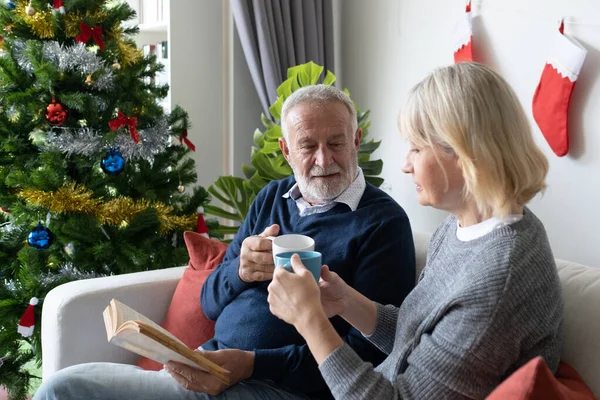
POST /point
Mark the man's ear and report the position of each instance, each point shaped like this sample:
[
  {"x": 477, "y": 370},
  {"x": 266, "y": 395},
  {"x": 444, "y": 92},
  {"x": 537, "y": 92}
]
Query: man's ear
[
  {"x": 357, "y": 138},
  {"x": 285, "y": 150}
]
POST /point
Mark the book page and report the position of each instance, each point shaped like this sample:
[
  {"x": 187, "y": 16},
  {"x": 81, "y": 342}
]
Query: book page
[
  {"x": 126, "y": 313},
  {"x": 147, "y": 347},
  {"x": 109, "y": 322}
]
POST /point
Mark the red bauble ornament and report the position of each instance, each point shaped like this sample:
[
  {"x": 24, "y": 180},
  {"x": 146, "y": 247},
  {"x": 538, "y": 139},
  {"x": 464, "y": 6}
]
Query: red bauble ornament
[{"x": 57, "y": 113}]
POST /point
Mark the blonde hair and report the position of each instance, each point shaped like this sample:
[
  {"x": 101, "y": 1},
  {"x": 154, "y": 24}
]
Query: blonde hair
[{"x": 471, "y": 111}]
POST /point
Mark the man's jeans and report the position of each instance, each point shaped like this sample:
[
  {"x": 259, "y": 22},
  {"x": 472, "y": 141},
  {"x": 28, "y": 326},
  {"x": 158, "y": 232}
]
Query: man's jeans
[{"x": 109, "y": 381}]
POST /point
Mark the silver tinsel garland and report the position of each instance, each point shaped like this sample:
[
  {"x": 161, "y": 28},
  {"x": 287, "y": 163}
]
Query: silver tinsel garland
[
  {"x": 75, "y": 58},
  {"x": 68, "y": 272},
  {"x": 91, "y": 142}
]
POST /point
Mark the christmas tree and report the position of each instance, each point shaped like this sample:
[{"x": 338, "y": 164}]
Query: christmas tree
[{"x": 95, "y": 178}]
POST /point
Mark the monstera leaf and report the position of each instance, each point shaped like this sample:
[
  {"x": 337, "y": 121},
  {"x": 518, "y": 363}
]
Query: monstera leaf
[{"x": 267, "y": 160}]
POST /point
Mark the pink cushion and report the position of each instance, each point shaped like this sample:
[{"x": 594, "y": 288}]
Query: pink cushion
[
  {"x": 185, "y": 318},
  {"x": 535, "y": 381}
]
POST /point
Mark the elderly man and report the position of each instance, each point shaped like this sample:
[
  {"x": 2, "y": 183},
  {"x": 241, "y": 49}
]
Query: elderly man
[{"x": 362, "y": 233}]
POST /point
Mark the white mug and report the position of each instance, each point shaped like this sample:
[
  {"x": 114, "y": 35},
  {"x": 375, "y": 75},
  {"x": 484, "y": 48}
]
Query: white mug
[{"x": 291, "y": 242}]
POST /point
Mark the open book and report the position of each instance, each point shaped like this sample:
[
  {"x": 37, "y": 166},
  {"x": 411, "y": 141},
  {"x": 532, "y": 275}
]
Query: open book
[{"x": 129, "y": 329}]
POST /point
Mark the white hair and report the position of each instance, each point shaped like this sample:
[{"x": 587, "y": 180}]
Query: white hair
[{"x": 317, "y": 95}]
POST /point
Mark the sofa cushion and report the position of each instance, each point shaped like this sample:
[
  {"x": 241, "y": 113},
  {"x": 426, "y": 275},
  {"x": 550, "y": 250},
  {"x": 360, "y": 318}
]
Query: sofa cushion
[
  {"x": 581, "y": 293},
  {"x": 185, "y": 318},
  {"x": 535, "y": 381}
]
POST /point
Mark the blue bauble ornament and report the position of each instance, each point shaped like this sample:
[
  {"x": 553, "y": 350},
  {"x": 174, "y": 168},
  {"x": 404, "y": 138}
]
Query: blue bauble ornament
[
  {"x": 11, "y": 5},
  {"x": 40, "y": 237},
  {"x": 113, "y": 163}
]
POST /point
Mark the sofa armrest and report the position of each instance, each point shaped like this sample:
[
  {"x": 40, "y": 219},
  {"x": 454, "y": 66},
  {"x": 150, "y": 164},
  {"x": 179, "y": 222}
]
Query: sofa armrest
[{"x": 73, "y": 329}]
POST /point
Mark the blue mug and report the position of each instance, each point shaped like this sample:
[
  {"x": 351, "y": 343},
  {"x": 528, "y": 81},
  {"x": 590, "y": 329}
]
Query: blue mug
[{"x": 310, "y": 259}]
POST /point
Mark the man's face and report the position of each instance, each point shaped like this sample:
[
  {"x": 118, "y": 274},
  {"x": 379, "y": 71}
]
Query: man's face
[{"x": 321, "y": 149}]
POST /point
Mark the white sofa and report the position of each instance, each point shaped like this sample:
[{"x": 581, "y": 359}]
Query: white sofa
[{"x": 73, "y": 330}]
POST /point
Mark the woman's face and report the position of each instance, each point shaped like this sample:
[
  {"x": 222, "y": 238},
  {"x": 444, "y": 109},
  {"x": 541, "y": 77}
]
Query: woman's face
[{"x": 435, "y": 189}]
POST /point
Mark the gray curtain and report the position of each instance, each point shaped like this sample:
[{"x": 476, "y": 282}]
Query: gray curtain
[{"x": 278, "y": 34}]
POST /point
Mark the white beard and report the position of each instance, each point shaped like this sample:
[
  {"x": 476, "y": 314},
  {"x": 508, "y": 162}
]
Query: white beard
[{"x": 323, "y": 192}]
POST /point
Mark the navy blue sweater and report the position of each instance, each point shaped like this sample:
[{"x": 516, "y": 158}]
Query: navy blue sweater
[{"x": 371, "y": 248}]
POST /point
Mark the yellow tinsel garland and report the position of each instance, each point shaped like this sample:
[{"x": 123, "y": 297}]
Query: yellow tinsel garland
[
  {"x": 129, "y": 54},
  {"x": 119, "y": 211},
  {"x": 42, "y": 22}
]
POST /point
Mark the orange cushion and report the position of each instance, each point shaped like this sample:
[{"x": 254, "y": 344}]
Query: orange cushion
[
  {"x": 185, "y": 318},
  {"x": 535, "y": 381}
]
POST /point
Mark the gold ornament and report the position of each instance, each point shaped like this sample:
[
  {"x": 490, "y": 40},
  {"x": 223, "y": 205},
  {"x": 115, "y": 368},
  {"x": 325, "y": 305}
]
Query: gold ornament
[
  {"x": 88, "y": 80},
  {"x": 180, "y": 188},
  {"x": 116, "y": 66},
  {"x": 41, "y": 22},
  {"x": 29, "y": 10},
  {"x": 120, "y": 211}
]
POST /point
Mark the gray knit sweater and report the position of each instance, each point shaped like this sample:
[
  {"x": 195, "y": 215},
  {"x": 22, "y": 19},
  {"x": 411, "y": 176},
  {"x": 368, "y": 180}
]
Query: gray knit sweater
[{"x": 481, "y": 310}]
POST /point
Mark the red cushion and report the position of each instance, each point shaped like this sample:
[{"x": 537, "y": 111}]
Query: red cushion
[
  {"x": 535, "y": 381},
  {"x": 185, "y": 318}
]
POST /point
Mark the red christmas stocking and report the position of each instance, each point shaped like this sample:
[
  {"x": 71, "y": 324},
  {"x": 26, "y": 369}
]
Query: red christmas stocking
[
  {"x": 463, "y": 38},
  {"x": 553, "y": 93}
]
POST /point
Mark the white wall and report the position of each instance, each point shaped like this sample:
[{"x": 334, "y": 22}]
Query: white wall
[
  {"x": 389, "y": 45},
  {"x": 210, "y": 79},
  {"x": 196, "y": 79}
]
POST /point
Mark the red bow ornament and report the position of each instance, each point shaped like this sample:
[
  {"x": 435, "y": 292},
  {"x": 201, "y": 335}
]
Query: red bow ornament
[
  {"x": 88, "y": 32},
  {"x": 124, "y": 120},
  {"x": 183, "y": 139}
]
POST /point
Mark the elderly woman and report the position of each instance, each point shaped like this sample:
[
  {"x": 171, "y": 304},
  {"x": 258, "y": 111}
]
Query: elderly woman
[{"x": 489, "y": 298}]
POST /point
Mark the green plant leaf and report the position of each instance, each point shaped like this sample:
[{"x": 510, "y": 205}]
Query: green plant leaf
[
  {"x": 273, "y": 133},
  {"x": 235, "y": 193},
  {"x": 227, "y": 230},
  {"x": 374, "y": 180},
  {"x": 285, "y": 89},
  {"x": 369, "y": 147},
  {"x": 329, "y": 79},
  {"x": 363, "y": 158},
  {"x": 256, "y": 183},
  {"x": 270, "y": 147},
  {"x": 363, "y": 118},
  {"x": 219, "y": 212},
  {"x": 275, "y": 109},
  {"x": 314, "y": 73},
  {"x": 266, "y": 121},
  {"x": 372, "y": 168},
  {"x": 269, "y": 167},
  {"x": 248, "y": 171},
  {"x": 258, "y": 137}
]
